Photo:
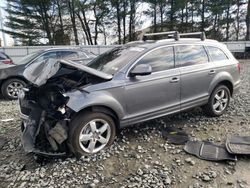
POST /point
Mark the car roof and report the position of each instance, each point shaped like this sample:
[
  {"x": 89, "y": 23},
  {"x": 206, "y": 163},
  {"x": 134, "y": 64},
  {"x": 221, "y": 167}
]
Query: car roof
[
  {"x": 61, "y": 49},
  {"x": 149, "y": 44}
]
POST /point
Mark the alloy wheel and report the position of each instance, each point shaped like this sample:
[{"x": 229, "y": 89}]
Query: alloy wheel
[
  {"x": 220, "y": 101},
  {"x": 13, "y": 88},
  {"x": 94, "y": 136}
]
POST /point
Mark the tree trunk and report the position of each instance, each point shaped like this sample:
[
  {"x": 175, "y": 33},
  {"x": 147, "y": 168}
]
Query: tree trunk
[
  {"x": 73, "y": 20},
  {"x": 161, "y": 14},
  {"x": 248, "y": 21},
  {"x": 104, "y": 35},
  {"x": 171, "y": 27},
  {"x": 182, "y": 19},
  {"x": 132, "y": 20},
  {"x": 60, "y": 15},
  {"x": 44, "y": 15},
  {"x": 237, "y": 20},
  {"x": 118, "y": 21},
  {"x": 203, "y": 16},
  {"x": 96, "y": 24},
  {"x": 83, "y": 27},
  {"x": 192, "y": 16},
  {"x": 155, "y": 15},
  {"x": 186, "y": 13},
  {"x": 87, "y": 26},
  {"x": 124, "y": 20},
  {"x": 228, "y": 16}
]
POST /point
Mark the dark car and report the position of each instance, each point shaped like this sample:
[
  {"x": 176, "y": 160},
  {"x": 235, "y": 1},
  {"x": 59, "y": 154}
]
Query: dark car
[
  {"x": 82, "y": 110},
  {"x": 5, "y": 61},
  {"x": 12, "y": 80}
]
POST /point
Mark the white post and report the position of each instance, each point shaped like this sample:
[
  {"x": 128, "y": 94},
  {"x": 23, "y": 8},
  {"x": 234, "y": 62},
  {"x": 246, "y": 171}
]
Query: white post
[{"x": 1, "y": 27}]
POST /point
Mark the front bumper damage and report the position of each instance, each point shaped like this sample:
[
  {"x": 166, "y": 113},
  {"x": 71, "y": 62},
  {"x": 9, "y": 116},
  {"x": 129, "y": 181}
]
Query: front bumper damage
[
  {"x": 43, "y": 132},
  {"x": 43, "y": 104}
]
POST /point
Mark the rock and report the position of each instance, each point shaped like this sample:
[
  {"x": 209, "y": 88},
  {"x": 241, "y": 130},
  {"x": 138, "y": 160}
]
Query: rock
[
  {"x": 188, "y": 160},
  {"x": 167, "y": 180},
  {"x": 206, "y": 178},
  {"x": 23, "y": 185},
  {"x": 92, "y": 185},
  {"x": 139, "y": 172},
  {"x": 212, "y": 174},
  {"x": 96, "y": 181}
]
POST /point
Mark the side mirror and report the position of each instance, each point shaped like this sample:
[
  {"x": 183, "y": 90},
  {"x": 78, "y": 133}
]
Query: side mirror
[{"x": 141, "y": 70}]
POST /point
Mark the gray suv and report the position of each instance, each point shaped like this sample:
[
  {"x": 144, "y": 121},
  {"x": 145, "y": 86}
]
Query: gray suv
[{"x": 69, "y": 107}]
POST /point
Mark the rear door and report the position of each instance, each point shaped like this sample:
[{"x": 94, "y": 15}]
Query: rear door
[
  {"x": 156, "y": 94},
  {"x": 196, "y": 74}
]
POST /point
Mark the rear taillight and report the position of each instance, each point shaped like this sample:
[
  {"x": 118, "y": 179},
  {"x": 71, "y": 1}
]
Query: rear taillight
[
  {"x": 238, "y": 66},
  {"x": 8, "y": 62}
]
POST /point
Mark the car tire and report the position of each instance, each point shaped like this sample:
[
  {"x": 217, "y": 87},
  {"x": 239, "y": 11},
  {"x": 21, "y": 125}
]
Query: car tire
[
  {"x": 91, "y": 132},
  {"x": 11, "y": 87},
  {"x": 218, "y": 101}
]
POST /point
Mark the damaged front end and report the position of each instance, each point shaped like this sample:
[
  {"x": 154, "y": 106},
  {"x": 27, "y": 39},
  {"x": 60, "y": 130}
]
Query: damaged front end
[{"x": 43, "y": 104}]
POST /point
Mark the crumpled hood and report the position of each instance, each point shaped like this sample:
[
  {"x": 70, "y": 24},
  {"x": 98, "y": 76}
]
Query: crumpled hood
[{"x": 39, "y": 73}]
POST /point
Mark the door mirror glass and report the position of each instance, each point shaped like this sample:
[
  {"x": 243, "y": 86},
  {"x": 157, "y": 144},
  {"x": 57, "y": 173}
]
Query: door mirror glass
[{"x": 141, "y": 70}]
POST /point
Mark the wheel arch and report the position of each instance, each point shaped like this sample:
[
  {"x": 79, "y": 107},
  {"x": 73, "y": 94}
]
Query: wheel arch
[
  {"x": 227, "y": 83},
  {"x": 222, "y": 79},
  {"x": 14, "y": 77},
  {"x": 103, "y": 109}
]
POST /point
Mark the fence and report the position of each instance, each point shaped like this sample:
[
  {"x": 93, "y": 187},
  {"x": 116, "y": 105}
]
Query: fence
[{"x": 17, "y": 52}]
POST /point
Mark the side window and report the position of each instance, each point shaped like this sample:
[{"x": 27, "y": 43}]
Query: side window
[
  {"x": 216, "y": 54},
  {"x": 67, "y": 54},
  {"x": 190, "y": 55},
  {"x": 46, "y": 56},
  {"x": 160, "y": 59}
]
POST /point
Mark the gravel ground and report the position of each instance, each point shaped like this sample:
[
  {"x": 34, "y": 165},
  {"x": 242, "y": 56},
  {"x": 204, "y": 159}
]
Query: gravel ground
[{"x": 140, "y": 156}]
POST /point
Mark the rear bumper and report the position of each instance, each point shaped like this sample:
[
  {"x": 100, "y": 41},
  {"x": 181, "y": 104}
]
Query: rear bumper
[{"x": 236, "y": 88}]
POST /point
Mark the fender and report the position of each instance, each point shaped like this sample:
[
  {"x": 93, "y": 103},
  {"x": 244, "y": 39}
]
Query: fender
[
  {"x": 220, "y": 77},
  {"x": 79, "y": 100}
]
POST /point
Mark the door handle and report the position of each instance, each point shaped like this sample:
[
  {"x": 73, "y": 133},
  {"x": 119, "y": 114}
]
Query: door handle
[
  {"x": 211, "y": 72},
  {"x": 174, "y": 80}
]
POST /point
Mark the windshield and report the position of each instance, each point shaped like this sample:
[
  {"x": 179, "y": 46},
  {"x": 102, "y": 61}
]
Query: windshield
[
  {"x": 113, "y": 60},
  {"x": 26, "y": 59}
]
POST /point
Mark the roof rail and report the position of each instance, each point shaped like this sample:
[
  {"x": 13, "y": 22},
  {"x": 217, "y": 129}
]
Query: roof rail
[
  {"x": 175, "y": 34},
  {"x": 202, "y": 34}
]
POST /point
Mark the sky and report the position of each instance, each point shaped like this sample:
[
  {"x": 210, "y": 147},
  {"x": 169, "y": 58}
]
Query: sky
[{"x": 9, "y": 40}]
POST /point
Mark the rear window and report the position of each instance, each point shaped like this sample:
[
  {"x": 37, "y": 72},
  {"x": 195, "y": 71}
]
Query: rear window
[
  {"x": 187, "y": 55},
  {"x": 216, "y": 54}
]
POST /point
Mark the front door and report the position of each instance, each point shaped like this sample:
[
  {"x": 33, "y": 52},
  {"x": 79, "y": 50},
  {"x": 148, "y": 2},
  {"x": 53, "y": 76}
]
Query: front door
[{"x": 156, "y": 94}]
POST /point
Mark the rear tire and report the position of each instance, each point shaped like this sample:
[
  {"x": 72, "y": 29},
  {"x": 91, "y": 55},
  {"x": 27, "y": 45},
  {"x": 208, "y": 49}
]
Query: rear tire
[
  {"x": 11, "y": 87},
  {"x": 91, "y": 132},
  {"x": 218, "y": 101}
]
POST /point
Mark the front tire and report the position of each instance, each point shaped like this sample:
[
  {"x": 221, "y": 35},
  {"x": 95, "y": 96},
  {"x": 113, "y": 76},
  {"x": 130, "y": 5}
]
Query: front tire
[
  {"x": 11, "y": 87},
  {"x": 91, "y": 132},
  {"x": 218, "y": 101}
]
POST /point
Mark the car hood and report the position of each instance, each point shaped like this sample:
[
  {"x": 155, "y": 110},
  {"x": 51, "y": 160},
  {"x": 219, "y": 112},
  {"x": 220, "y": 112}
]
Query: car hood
[{"x": 39, "y": 73}]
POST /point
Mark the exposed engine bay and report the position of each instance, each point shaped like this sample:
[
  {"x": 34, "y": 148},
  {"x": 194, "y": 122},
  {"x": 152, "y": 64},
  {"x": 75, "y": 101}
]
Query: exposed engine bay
[{"x": 43, "y": 106}]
